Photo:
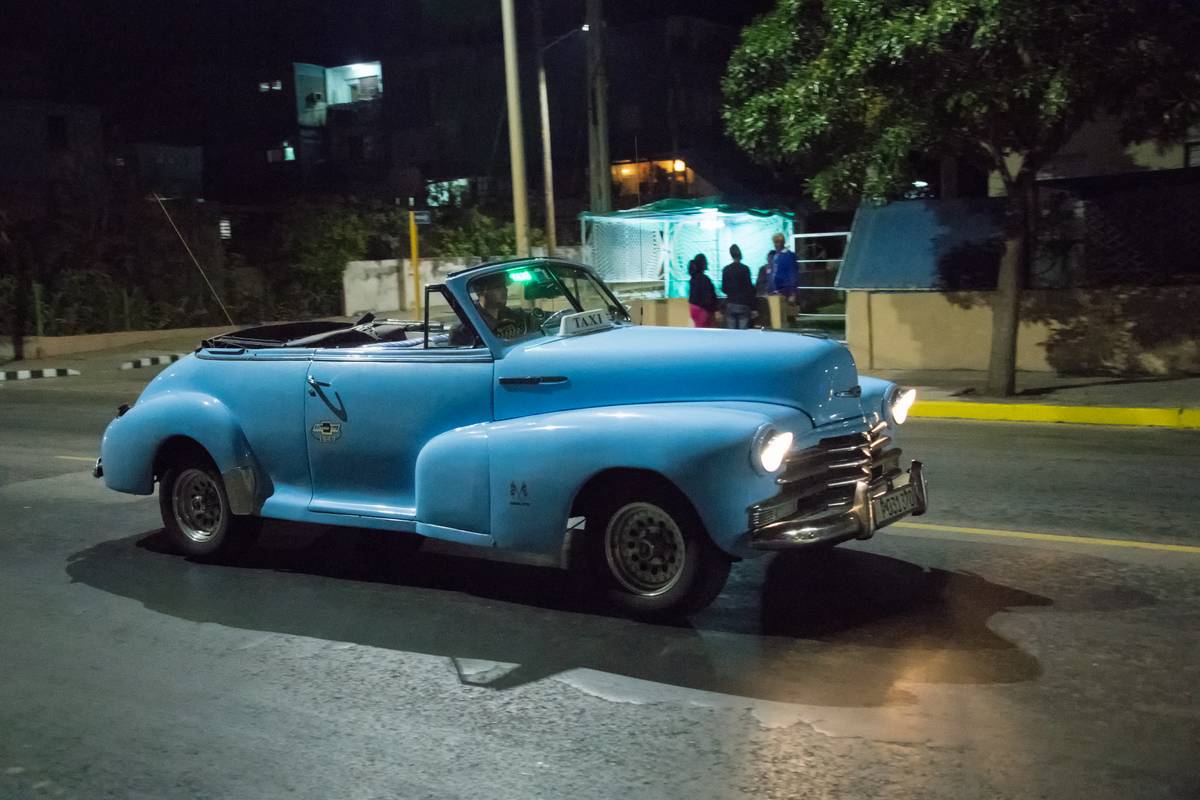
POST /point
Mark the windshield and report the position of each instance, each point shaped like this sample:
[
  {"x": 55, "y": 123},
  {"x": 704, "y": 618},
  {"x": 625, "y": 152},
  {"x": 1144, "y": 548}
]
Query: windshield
[{"x": 531, "y": 300}]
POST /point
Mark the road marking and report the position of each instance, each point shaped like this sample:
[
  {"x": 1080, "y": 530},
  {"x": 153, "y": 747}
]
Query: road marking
[
  {"x": 1052, "y": 537},
  {"x": 1187, "y": 418},
  {"x": 89, "y": 459}
]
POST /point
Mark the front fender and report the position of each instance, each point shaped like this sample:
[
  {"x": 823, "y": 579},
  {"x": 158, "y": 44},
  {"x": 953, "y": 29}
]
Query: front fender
[
  {"x": 874, "y": 395},
  {"x": 539, "y": 464},
  {"x": 132, "y": 442}
]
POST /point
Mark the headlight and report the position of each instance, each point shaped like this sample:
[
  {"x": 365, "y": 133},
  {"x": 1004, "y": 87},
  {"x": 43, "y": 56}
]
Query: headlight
[
  {"x": 899, "y": 403},
  {"x": 770, "y": 448}
]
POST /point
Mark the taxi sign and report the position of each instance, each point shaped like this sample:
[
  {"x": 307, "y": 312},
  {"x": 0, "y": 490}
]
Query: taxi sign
[{"x": 584, "y": 322}]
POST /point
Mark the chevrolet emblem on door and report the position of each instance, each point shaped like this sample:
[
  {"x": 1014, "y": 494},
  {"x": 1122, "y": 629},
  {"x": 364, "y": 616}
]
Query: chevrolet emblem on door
[{"x": 327, "y": 431}]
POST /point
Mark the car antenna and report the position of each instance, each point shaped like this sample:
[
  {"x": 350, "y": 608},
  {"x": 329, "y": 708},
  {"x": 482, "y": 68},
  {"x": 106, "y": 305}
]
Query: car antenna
[{"x": 158, "y": 199}]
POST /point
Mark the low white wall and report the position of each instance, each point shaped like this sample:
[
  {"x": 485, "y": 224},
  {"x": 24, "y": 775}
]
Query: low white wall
[{"x": 372, "y": 285}]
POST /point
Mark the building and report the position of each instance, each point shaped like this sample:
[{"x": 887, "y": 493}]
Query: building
[
  {"x": 44, "y": 145},
  {"x": 1117, "y": 268},
  {"x": 169, "y": 169}
]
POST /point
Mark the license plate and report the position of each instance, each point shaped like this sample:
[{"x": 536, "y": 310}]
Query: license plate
[{"x": 895, "y": 504}]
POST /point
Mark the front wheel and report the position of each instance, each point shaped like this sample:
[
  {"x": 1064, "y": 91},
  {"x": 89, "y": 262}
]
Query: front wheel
[
  {"x": 195, "y": 510},
  {"x": 653, "y": 556}
]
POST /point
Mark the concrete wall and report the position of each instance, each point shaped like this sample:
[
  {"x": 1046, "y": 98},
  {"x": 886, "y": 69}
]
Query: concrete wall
[
  {"x": 55, "y": 346},
  {"x": 671, "y": 312},
  {"x": 371, "y": 285},
  {"x": 1135, "y": 330}
]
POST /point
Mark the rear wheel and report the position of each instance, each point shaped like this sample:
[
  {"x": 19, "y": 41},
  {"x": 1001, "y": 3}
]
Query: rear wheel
[
  {"x": 651, "y": 553},
  {"x": 195, "y": 509}
]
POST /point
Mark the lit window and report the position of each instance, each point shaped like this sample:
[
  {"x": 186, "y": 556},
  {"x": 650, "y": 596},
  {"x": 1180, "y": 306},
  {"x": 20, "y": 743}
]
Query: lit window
[
  {"x": 226, "y": 229},
  {"x": 277, "y": 85},
  {"x": 263, "y": 86},
  {"x": 289, "y": 153}
]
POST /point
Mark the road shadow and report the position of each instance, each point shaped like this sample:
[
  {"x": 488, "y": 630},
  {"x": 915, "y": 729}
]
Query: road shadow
[{"x": 839, "y": 628}]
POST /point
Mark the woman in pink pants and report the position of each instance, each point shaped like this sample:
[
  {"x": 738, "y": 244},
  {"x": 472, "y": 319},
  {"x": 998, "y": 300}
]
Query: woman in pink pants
[{"x": 702, "y": 296}]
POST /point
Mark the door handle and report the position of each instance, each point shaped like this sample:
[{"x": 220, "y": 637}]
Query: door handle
[
  {"x": 532, "y": 380},
  {"x": 316, "y": 388}
]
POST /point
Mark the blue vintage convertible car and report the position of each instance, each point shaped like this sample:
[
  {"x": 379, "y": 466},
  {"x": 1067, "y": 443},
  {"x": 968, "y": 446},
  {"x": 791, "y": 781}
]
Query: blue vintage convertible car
[{"x": 526, "y": 412}]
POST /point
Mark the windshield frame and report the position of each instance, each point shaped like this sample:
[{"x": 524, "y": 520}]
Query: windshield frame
[{"x": 466, "y": 280}]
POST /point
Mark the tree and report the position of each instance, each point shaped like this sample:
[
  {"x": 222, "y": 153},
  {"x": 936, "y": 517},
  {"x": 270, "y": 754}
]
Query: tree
[
  {"x": 315, "y": 237},
  {"x": 847, "y": 91},
  {"x": 468, "y": 232}
]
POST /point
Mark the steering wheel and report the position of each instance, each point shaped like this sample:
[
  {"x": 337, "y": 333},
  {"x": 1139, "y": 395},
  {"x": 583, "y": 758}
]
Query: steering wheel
[{"x": 555, "y": 317}]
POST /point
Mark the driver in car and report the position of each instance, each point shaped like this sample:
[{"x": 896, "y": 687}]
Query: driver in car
[{"x": 492, "y": 302}]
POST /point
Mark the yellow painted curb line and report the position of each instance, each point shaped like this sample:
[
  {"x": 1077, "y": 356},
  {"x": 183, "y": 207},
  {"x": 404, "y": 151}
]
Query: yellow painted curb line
[
  {"x": 1094, "y": 541},
  {"x": 1188, "y": 418}
]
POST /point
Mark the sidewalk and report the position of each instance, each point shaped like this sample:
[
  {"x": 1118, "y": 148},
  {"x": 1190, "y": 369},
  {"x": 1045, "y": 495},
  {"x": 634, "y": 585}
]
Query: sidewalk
[
  {"x": 90, "y": 362},
  {"x": 1044, "y": 397}
]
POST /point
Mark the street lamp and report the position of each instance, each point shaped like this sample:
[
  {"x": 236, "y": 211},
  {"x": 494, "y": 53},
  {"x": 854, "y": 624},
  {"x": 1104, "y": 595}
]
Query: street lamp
[{"x": 544, "y": 112}]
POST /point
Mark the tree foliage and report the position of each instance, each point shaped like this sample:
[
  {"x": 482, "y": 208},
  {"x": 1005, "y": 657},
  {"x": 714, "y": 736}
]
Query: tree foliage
[
  {"x": 468, "y": 232},
  {"x": 846, "y": 91},
  {"x": 314, "y": 240}
]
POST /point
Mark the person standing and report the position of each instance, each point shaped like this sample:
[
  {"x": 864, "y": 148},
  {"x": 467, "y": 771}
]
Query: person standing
[
  {"x": 702, "y": 295},
  {"x": 786, "y": 273},
  {"x": 739, "y": 291},
  {"x": 762, "y": 288}
]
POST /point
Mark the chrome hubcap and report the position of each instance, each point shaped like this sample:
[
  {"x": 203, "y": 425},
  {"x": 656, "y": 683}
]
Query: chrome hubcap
[
  {"x": 645, "y": 549},
  {"x": 196, "y": 502}
]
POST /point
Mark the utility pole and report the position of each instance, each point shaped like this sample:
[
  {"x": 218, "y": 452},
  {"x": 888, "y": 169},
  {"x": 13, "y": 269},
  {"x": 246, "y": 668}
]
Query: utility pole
[
  {"x": 599, "y": 169},
  {"x": 544, "y": 109},
  {"x": 414, "y": 257},
  {"x": 516, "y": 135}
]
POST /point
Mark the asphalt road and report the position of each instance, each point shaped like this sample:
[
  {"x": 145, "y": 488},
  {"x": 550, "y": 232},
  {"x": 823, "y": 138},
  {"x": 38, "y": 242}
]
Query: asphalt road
[{"x": 960, "y": 661}]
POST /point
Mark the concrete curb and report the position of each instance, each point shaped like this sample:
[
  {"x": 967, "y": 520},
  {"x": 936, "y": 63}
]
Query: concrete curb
[
  {"x": 1183, "y": 418},
  {"x": 152, "y": 361},
  {"x": 30, "y": 374}
]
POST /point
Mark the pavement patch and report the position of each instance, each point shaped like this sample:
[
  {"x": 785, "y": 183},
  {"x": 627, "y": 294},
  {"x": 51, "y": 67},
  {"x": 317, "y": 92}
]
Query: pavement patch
[
  {"x": 29, "y": 374},
  {"x": 1184, "y": 418},
  {"x": 152, "y": 361}
]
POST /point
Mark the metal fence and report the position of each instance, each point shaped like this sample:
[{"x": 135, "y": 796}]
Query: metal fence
[{"x": 816, "y": 296}]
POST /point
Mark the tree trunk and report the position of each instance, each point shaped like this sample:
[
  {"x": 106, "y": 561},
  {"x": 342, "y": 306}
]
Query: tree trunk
[{"x": 1006, "y": 304}]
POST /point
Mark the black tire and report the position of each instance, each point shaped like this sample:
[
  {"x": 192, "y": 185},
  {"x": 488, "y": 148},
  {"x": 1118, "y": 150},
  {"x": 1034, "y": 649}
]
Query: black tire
[
  {"x": 691, "y": 569},
  {"x": 201, "y": 524}
]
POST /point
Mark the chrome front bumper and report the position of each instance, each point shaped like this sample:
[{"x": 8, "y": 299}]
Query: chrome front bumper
[{"x": 857, "y": 521}]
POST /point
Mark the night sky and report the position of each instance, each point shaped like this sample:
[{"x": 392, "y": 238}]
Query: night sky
[{"x": 139, "y": 58}]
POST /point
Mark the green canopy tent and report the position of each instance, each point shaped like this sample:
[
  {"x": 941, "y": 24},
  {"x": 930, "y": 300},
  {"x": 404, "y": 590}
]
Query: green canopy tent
[{"x": 649, "y": 247}]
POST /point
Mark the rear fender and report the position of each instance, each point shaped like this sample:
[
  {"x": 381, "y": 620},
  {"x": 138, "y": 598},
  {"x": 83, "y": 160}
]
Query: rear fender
[{"x": 133, "y": 441}]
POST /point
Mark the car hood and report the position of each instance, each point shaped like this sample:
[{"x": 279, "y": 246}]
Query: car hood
[{"x": 645, "y": 364}]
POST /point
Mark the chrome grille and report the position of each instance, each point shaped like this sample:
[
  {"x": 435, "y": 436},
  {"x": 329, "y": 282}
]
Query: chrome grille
[{"x": 823, "y": 476}]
